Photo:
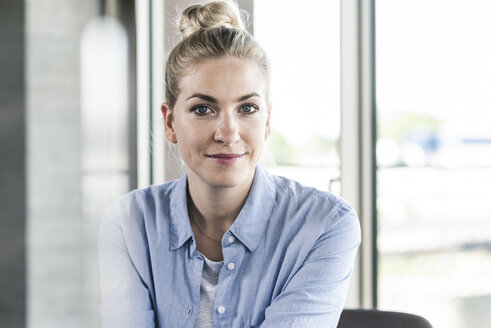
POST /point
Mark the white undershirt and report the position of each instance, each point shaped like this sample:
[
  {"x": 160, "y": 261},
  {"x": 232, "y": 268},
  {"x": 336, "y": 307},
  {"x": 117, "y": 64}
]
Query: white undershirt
[{"x": 209, "y": 282}]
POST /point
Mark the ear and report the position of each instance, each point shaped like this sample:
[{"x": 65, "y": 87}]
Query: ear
[
  {"x": 170, "y": 133},
  {"x": 268, "y": 125}
]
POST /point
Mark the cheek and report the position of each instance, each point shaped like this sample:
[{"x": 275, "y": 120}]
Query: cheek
[
  {"x": 256, "y": 134},
  {"x": 186, "y": 132},
  {"x": 259, "y": 130},
  {"x": 190, "y": 139}
]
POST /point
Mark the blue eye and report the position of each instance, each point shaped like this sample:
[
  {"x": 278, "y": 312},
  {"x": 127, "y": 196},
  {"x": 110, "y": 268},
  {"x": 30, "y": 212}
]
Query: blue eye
[
  {"x": 201, "y": 110},
  {"x": 249, "y": 108}
]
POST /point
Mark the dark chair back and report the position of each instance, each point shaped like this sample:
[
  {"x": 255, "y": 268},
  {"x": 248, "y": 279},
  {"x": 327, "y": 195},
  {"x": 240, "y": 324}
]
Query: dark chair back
[{"x": 380, "y": 319}]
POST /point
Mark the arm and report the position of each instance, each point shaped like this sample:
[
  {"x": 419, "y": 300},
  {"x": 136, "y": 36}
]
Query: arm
[
  {"x": 315, "y": 295},
  {"x": 125, "y": 300}
]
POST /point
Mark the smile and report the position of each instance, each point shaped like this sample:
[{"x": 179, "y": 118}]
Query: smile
[{"x": 225, "y": 158}]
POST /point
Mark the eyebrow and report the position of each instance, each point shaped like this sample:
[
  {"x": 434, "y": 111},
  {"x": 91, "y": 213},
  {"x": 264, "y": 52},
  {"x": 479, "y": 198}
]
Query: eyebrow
[
  {"x": 204, "y": 97},
  {"x": 213, "y": 100},
  {"x": 252, "y": 94}
]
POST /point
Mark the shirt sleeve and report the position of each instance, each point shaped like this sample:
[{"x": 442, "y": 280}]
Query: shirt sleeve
[
  {"x": 315, "y": 295},
  {"x": 125, "y": 300}
]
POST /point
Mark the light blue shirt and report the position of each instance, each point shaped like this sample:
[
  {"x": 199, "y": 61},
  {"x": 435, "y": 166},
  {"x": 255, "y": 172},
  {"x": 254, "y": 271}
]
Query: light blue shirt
[{"x": 287, "y": 258}]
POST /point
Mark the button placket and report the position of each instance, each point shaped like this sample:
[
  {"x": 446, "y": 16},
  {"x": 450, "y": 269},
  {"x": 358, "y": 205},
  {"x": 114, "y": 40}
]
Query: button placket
[{"x": 233, "y": 253}]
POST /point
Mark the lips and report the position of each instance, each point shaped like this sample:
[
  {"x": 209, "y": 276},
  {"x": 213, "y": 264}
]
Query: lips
[{"x": 225, "y": 158}]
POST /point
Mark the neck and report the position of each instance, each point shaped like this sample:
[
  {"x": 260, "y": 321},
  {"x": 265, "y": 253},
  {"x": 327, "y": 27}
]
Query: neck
[{"x": 218, "y": 207}]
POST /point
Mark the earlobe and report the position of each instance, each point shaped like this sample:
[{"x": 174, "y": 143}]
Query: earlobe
[{"x": 167, "y": 114}]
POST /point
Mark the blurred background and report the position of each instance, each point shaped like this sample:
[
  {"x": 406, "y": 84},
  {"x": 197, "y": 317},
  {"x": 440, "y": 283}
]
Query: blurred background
[{"x": 384, "y": 102}]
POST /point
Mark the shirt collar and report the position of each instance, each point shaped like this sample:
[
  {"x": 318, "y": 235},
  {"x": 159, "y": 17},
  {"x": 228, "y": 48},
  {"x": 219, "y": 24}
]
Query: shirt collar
[{"x": 250, "y": 224}]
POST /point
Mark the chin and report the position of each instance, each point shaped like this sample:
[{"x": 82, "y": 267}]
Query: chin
[
  {"x": 225, "y": 176},
  {"x": 228, "y": 179}
]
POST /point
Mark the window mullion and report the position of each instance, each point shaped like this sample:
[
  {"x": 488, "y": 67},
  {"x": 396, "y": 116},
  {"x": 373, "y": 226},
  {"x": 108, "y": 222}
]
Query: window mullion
[{"x": 358, "y": 139}]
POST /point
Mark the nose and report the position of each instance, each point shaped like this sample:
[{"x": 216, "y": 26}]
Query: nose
[{"x": 227, "y": 130}]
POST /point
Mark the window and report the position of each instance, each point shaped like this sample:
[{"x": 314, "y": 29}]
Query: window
[
  {"x": 434, "y": 159},
  {"x": 303, "y": 47}
]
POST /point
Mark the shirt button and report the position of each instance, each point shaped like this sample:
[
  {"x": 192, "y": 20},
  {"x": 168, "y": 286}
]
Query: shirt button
[
  {"x": 189, "y": 311},
  {"x": 231, "y": 239},
  {"x": 221, "y": 309},
  {"x": 231, "y": 266}
]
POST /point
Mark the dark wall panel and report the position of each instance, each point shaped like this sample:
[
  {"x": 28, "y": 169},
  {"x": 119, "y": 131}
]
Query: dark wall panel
[{"x": 12, "y": 165}]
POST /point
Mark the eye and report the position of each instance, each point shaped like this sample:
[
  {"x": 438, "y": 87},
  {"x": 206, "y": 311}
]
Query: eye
[
  {"x": 201, "y": 110},
  {"x": 249, "y": 108}
]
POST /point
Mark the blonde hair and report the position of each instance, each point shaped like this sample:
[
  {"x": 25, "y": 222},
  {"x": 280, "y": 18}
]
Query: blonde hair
[{"x": 211, "y": 30}]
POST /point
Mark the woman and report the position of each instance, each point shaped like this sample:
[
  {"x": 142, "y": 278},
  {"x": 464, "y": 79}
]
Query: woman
[{"x": 226, "y": 245}]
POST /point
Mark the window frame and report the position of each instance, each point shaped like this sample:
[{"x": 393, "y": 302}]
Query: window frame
[{"x": 358, "y": 138}]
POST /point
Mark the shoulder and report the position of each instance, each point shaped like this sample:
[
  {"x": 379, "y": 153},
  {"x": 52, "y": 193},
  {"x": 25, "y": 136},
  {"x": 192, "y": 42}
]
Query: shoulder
[
  {"x": 312, "y": 205},
  {"x": 310, "y": 224},
  {"x": 138, "y": 207}
]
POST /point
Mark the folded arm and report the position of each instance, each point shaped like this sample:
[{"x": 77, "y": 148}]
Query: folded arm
[{"x": 125, "y": 299}]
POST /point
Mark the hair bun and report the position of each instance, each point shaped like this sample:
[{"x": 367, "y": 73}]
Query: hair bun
[{"x": 210, "y": 15}]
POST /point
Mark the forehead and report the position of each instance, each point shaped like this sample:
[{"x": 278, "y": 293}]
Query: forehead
[{"x": 224, "y": 77}]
